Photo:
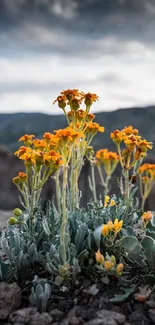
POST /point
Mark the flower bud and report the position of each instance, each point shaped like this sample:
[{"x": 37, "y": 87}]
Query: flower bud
[
  {"x": 17, "y": 212},
  {"x": 108, "y": 265},
  {"x": 119, "y": 268},
  {"x": 99, "y": 257},
  {"x": 16, "y": 180},
  {"x": 105, "y": 230},
  {"x": 13, "y": 221},
  {"x": 113, "y": 259}
]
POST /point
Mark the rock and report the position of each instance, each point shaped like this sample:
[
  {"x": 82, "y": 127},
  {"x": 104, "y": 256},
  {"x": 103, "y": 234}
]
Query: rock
[
  {"x": 30, "y": 316},
  {"x": 10, "y": 299},
  {"x": 138, "y": 315},
  {"x": 106, "y": 317},
  {"x": 150, "y": 304},
  {"x": 56, "y": 314},
  {"x": 151, "y": 313}
]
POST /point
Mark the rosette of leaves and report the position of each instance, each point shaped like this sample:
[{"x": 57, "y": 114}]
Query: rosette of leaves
[
  {"x": 141, "y": 251},
  {"x": 40, "y": 293}
]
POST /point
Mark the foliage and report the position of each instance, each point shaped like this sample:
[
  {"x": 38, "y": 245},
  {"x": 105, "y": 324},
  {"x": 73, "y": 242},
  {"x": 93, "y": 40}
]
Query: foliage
[
  {"x": 40, "y": 293},
  {"x": 112, "y": 236}
]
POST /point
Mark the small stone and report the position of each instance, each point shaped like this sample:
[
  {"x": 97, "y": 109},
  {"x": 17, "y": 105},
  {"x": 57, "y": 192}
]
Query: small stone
[
  {"x": 10, "y": 299},
  {"x": 106, "y": 317},
  {"x": 56, "y": 314},
  {"x": 30, "y": 316}
]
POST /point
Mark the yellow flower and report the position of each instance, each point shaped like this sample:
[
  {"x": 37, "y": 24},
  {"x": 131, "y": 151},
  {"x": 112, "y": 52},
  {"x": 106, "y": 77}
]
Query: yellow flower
[
  {"x": 106, "y": 200},
  {"x": 117, "y": 226},
  {"x": 147, "y": 216},
  {"x": 119, "y": 268},
  {"x": 99, "y": 257},
  {"x": 112, "y": 203},
  {"x": 110, "y": 225},
  {"x": 105, "y": 230},
  {"x": 108, "y": 265}
]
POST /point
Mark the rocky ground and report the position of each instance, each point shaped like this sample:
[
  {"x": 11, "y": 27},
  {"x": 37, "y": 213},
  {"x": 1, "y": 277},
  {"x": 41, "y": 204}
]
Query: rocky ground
[{"x": 79, "y": 308}]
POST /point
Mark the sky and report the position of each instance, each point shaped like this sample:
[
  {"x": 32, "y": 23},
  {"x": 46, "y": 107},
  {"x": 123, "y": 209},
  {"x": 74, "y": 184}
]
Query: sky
[{"x": 102, "y": 46}]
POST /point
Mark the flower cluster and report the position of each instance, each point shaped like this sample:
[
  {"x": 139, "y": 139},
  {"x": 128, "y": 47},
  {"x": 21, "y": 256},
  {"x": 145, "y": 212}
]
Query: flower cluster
[
  {"x": 73, "y": 98},
  {"x": 112, "y": 228},
  {"x": 108, "y": 159},
  {"x": 134, "y": 146},
  {"x": 108, "y": 202},
  {"x": 146, "y": 174},
  {"x": 109, "y": 263}
]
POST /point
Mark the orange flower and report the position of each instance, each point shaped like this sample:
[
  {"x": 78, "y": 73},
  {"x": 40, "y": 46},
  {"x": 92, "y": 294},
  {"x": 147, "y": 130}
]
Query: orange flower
[
  {"x": 147, "y": 216},
  {"x": 39, "y": 144},
  {"x": 109, "y": 160},
  {"x": 92, "y": 127},
  {"x": 99, "y": 257},
  {"x": 119, "y": 268},
  {"x": 47, "y": 136},
  {"x": 90, "y": 117},
  {"x": 89, "y": 98},
  {"x": 131, "y": 141},
  {"x": 22, "y": 150},
  {"x": 117, "y": 136},
  {"x": 144, "y": 145},
  {"x": 27, "y": 139},
  {"x": 70, "y": 93},
  {"x": 80, "y": 114},
  {"x": 61, "y": 101},
  {"x": 52, "y": 158},
  {"x": 22, "y": 176},
  {"x": 130, "y": 130}
]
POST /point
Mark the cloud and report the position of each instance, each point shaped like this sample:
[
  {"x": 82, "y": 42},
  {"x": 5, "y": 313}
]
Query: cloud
[
  {"x": 50, "y": 45},
  {"x": 124, "y": 80}
]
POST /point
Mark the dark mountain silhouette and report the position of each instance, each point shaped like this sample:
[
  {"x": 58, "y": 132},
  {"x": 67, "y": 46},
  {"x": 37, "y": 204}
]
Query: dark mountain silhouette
[{"x": 13, "y": 126}]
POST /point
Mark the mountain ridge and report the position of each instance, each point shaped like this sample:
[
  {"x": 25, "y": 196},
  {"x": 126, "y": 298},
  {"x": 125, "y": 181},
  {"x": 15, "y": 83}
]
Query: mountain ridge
[{"x": 14, "y": 125}]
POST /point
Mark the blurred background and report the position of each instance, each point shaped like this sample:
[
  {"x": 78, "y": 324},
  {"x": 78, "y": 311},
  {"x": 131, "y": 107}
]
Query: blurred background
[{"x": 101, "y": 46}]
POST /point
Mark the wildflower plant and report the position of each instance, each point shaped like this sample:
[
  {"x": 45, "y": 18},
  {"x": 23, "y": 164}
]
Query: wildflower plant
[
  {"x": 146, "y": 174},
  {"x": 131, "y": 149},
  {"x": 64, "y": 240}
]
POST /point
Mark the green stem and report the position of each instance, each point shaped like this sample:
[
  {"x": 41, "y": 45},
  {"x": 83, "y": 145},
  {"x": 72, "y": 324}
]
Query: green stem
[
  {"x": 93, "y": 183},
  {"x": 58, "y": 191},
  {"x": 64, "y": 214},
  {"x": 106, "y": 191}
]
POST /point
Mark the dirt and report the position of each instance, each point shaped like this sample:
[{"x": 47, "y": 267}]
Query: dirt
[{"x": 86, "y": 303}]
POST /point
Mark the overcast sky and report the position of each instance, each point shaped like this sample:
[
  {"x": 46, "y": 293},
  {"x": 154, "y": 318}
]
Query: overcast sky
[{"x": 101, "y": 46}]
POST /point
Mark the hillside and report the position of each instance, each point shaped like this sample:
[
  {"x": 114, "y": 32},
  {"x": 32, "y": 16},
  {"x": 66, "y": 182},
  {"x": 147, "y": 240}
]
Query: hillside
[{"x": 12, "y": 126}]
